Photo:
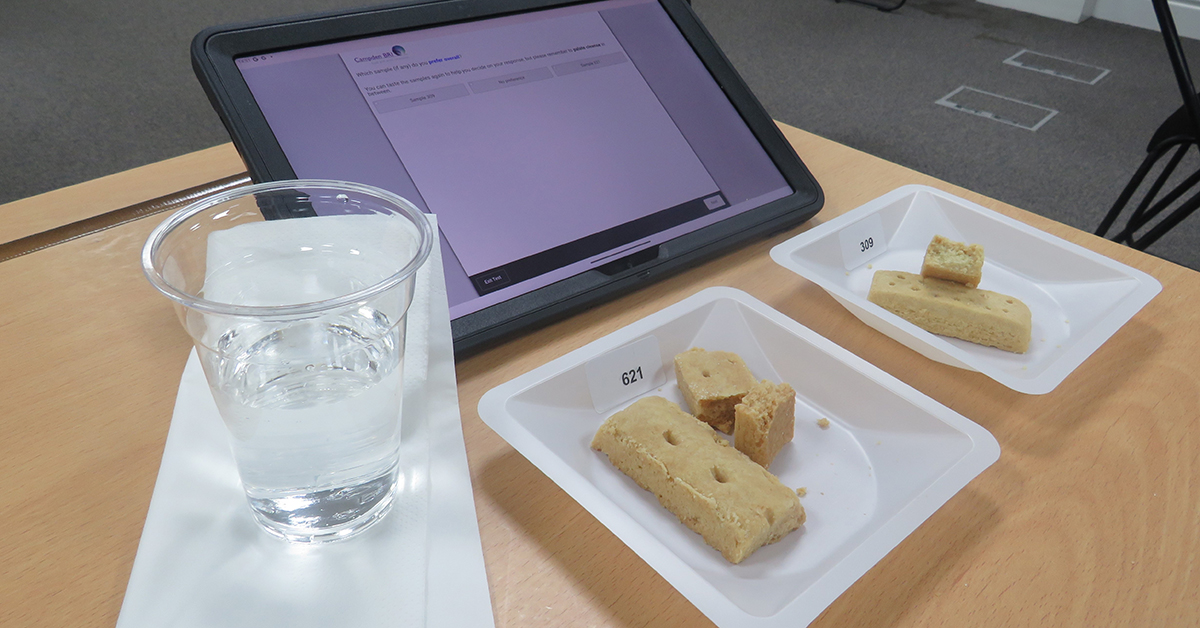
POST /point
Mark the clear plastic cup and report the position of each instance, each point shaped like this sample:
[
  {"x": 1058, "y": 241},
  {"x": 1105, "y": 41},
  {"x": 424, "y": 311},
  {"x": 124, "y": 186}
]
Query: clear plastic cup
[{"x": 295, "y": 295}]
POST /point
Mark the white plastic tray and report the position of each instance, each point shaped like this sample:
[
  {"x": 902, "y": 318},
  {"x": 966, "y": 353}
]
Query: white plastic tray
[
  {"x": 890, "y": 458},
  {"x": 1078, "y": 297}
]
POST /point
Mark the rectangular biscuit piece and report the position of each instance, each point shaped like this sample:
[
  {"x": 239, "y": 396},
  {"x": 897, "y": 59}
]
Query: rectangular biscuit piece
[
  {"x": 733, "y": 503},
  {"x": 953, "y": 261},
  {"x": 713, "y": 382},
  {"x": 952, "y": 309},
  {"x": 765, "y": 421}
]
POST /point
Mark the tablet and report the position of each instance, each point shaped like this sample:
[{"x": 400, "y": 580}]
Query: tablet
[{"x": 572, "y": 151}]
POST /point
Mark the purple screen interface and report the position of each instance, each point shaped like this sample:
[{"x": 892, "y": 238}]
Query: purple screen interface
[{"x": 547, "y": 143}]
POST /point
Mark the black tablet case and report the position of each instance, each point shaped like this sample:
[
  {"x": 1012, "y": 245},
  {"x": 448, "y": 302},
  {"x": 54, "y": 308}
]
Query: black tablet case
[{"x": 215, "y": 49}]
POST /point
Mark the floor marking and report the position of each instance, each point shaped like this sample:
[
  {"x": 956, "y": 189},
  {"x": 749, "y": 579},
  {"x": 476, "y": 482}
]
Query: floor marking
[
  {"x": 999, "y": 108},
  {"x": 1057, "y": 66}
]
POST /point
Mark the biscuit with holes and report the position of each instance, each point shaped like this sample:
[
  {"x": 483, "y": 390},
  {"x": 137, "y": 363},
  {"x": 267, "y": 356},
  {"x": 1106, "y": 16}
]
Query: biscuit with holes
[
  {"x": 952, "y": 309},
  {"x": 713, "y": 382},
  {"x": 734, "y": 504}
]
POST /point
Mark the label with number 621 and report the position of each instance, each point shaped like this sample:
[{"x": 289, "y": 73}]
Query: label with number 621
[
  {"x": 624, "y": 373},
  {"x": 862, "y": 241}
]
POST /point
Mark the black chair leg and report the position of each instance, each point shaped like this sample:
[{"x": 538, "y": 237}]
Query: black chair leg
[
  {"x": 1151, "y": 207},
  {"x": 1139, "y": 215},
  {"x": 1168, "y": 223},
  {"x": 1134, "y": 182},
  {"x": 1152, "y": 204},
  {"x": 1145, "y": 212}
]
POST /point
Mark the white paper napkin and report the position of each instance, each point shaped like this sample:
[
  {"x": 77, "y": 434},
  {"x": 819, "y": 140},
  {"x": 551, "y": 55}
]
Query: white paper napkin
[{"x": 203, "y": 562}]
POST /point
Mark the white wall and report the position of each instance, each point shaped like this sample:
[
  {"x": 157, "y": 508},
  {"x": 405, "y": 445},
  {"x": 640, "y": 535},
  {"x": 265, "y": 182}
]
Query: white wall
[
  {"x": 1141, "y": 13},
  {"x": 1133, "y": 12},
  {"x": 1074, "y": 11}
]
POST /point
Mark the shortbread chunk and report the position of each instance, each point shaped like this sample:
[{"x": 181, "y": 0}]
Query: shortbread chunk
[
  {"x": 713, "y": 382},
  {"x": 736, "y": 505},
  {"x": 953, "y": 261},
  {"x": 952, "y": 309},
  {"x": 764, "y": 421}
]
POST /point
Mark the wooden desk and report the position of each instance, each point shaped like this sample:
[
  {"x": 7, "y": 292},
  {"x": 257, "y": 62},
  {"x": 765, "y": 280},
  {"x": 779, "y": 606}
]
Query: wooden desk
[{"x": 1088, "y": 518}]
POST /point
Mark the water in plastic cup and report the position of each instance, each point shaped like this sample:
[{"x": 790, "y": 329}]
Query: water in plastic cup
[{"x": 295, "y": 295}]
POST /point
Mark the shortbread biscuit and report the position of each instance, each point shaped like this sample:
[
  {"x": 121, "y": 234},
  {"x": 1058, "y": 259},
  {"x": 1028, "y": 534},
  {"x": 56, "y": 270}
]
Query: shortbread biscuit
[
  {"x": 764, "y": 421},
  {"x": 733, "y": 503},
  {"x": 713, "y": 382},
  {"x": 952, "y": 309},
  {"x": 953, "y": 261}
]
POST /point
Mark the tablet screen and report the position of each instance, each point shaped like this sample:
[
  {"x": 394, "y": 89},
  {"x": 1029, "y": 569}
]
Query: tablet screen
[{"x": 548, "y": 143}]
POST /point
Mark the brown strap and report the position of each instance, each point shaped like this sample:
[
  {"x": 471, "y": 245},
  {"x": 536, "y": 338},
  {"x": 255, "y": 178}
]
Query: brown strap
[{"x": 96, "y": 224}]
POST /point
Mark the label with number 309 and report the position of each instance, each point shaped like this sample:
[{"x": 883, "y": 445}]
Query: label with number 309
[
  {"x": 624, "y": 373},
  {"x": 862, "y": 241}
]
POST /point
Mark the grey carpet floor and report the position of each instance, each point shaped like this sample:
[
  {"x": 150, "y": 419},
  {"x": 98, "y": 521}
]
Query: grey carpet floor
[
  {"x": 93, "y": 88},
  {"x": 871, "y": 80},
  {"x": 88, "y": 89}
]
